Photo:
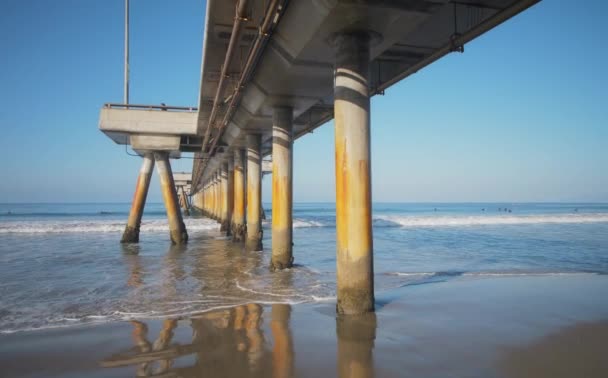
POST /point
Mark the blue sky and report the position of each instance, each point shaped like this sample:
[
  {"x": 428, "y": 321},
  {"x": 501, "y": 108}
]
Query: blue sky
[{"x": 522, "y": 115}]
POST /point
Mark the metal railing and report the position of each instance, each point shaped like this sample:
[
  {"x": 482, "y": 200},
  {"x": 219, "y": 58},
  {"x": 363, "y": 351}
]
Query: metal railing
[{"x": 152, "y": 107}]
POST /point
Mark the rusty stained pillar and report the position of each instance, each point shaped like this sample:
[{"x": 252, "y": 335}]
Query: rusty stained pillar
[
  {"x": 218, "y": 196},
  {"x": 177, "y": 228},
  {"x": 224, "y": 197},
  {"x": 282, "y": 184},
  {"x": 184, "y": 200},
  {"x": 355, "y": 271},
  {"x": 238, "y": 214},
  {"x": 229, "y": 196},
  {"x": 131, "y": 234},
  {"x": 254, "y": 193}
]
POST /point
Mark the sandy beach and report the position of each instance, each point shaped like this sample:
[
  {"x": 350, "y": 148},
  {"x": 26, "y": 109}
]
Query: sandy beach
[{"x": 538, "y": 326}]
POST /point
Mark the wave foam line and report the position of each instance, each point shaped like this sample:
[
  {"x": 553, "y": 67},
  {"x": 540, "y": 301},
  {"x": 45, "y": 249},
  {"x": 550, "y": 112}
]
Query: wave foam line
[
  {"x": 101, "y": 226},
  {"x": 477, "y": 220}
]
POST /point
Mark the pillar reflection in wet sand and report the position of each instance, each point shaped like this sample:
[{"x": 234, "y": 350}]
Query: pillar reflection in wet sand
[
  {"x": 356, "y": 335},
  {"x": 254, "y": 336},
  {"x": 282, "y": 351},
  {"x": 140, "y": 333},
  {"x": 163, "y": 342}
]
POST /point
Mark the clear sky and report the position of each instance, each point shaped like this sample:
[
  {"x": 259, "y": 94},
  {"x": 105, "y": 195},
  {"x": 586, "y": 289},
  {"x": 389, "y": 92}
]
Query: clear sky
[{"x": 522, "y": 115}]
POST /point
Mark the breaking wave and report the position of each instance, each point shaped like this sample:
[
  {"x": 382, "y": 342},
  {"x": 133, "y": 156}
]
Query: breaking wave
[
  {"x": 477, "y": 220},
  {"x": 100, "y": 226}
]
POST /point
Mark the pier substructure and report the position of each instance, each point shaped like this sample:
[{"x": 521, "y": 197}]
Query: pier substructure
[
  {"x": 216, "y": 196},
  {"x": 282, "y": 183},
  {"x": 184, "y": 201},
  {"x": 177, "y": 228},
  {"x": 230, "y": 196},
  {"x": 355, "y": 271},
  {"x": 131, "y": 234},
  {"x": 254, "y": 193},
  {"x": 224, "y": 198},
  {"x": 238, "y": 215}
]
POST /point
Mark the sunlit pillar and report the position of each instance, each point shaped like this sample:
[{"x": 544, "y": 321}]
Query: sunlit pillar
[
  {"x": 131, "y": 234},
  {"x": 254, "y": 192},
  {"x": 177, "y": 228},
  {"x": 238, "y": 215},
  {"x": 224, "y": 197},
  {"x": 282, "y": 183},
  {"x": 355, "y": 273}
]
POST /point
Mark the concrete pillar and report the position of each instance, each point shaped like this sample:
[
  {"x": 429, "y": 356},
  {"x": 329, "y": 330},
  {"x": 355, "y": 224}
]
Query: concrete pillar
[
  {"x": 177, "y": 227},
  {"x": 238, "y": 215},
  {"x": 184, "y": 200},
  {"x": 356, "y": 335},
  {"x": 216, "y": 195},
  {"x": 224, "y": 197},
  {"x": 355, "y": 271},
  {"x": 282, "y": 183},
  {"x": 131, "y": 234},
  {"x": 254, "y": 193},
  {"x": 230, "y": 196}
]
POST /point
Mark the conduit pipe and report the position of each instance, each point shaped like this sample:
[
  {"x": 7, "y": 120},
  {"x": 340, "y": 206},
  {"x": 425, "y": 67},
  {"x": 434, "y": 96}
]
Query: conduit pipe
[
  {"x": 270, "y": 20},
  {"x": 234, "y": 41}
]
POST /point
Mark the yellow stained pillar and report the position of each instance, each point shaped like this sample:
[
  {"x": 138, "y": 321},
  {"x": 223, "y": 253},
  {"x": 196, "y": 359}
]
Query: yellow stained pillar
[
  {"x": 177, "y": 228},
  {"x": 224, "y": 197},
  {"x": 131, "y": 234},
  {"x": 254, "y": 193},
  {"x": 355, "y": 272},
  {"x": 282, "y": 183},
  {"x": 238, "y": 215},
  {"x": 229, "y": 196}
]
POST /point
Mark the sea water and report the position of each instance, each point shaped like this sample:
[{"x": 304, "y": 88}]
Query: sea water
[{"x": 62, "y": 265}]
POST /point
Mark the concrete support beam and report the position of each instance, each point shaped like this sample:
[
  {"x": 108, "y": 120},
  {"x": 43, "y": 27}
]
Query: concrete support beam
[
  {"x": 355, "y": 271},
  {"x": 224, "y": 197},
  {"x": 177, "y": 227},
  {"x": 282, "y": 183},
  {"x": 238, "y": 215},
  {"x": 254, "y": 193},
  {"x": 131, "y": 234}
]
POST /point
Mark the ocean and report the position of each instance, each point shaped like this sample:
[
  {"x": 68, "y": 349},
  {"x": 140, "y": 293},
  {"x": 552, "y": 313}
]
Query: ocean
[{"x": 61, "y": 265}]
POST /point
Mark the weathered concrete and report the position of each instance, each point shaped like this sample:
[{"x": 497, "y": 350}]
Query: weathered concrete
[
  {"x": 131, "y": 234},
  {"x": 224, "y": 198},
  {"x": 355, "y": 270},
  {"x": 155, "y": 142},
  {"x": 177, "y": 228},
  {"x": 120, "y": 123},
  {"x": 254, "y": 193},
  {"x": 238, "y": 216},
  {"x": 282, "y": 183}
]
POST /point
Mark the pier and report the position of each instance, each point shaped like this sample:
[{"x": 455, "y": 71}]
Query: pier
[{"x": 272, "y": 72}]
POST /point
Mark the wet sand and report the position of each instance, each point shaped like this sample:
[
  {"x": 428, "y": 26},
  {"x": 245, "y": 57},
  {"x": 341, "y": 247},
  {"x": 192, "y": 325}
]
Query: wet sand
[{"x": 539, "y": 326}]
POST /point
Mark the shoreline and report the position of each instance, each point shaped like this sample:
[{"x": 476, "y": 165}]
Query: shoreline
[{"x": 463, "y": 327}]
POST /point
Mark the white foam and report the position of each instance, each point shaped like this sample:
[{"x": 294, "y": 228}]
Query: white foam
[
  {"x": 478, "y": 220},
  {"x": 301, "y": 223},
  {"x": 101, "y": 226}
]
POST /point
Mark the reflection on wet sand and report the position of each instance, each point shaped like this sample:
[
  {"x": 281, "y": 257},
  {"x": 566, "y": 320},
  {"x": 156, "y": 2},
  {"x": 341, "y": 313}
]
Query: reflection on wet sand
[
  {"x": 232, "y": 343},
  {"x": 356, "y": 335}
]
